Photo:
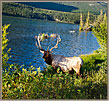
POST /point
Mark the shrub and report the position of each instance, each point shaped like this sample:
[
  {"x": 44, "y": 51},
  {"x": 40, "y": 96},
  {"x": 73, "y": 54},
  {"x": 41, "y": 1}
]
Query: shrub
[
  {"x": 23, "y": 84},
  {"x": 100, "y": 31},
  {"x": 20, "y": 83},
  {"x": 5, "y": 50}
]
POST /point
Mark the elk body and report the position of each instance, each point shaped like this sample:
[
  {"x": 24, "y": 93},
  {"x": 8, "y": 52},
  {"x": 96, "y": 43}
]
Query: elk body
[{"x": 66, "y": 64}]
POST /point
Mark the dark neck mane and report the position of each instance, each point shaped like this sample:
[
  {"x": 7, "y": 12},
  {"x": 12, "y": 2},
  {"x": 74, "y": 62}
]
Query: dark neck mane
[{"x": 48, "y": 60}]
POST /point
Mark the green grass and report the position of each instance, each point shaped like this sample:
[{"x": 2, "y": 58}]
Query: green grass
[
  {"x": 20, "y": 83},
  {"x": 50, "y": 84}
]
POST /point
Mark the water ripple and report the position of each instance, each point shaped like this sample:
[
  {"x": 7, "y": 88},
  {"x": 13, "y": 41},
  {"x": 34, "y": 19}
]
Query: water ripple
[{"x": 22, "y": 42}]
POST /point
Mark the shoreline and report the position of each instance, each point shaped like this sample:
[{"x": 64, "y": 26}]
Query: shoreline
[{"x": 36, "y": 19}]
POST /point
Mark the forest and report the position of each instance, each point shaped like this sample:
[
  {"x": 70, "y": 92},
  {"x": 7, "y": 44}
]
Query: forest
[
  {"x": 84, "y": 7},
  {"x": 28, "y": 11},
  {"x": 21, "y": 83}
]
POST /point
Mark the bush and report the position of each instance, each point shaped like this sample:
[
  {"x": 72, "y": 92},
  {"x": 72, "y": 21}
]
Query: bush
[
  {"x": 5, "y": 50},
  {"x": 23, "y": 84},
  {"x": 100, "y": 30},
  {"x": 20, "y": 83}
]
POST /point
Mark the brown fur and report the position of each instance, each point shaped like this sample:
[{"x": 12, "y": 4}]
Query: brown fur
[
  {"x": 66, "y": 64},
  {"x": 47, "y": 57}
]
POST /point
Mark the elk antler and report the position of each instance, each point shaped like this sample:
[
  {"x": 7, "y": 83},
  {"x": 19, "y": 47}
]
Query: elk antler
[
  {"x": 56, "y": 46},
  {"x": 39, "y": 46}
]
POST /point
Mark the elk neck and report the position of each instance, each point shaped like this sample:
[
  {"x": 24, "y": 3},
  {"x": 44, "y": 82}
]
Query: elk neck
[{"x": 48, "y": 57}]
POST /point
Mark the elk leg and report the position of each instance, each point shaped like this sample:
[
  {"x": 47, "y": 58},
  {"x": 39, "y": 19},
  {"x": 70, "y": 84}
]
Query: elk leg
[
  {"x": 71, "y": 72},
  {"x": 78, "y": 74},
  {"x": 80, "y": 71}
]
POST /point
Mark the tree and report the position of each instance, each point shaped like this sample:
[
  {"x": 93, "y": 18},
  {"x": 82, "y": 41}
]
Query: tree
[
  {"x": 99, "y": 19},
  {"x": 5, "y": 50},
  {"x": 100, "y": 31},
  {"x": 81, "y": 23},
  {"x": 87, "y": 22}
]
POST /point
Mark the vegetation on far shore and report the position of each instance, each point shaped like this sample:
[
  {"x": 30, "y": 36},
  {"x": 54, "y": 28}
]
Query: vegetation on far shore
[
  {"x": 20, "y": 83},
  {"x": 27, "y": 11},
  {"x": 84, "y": 7}
]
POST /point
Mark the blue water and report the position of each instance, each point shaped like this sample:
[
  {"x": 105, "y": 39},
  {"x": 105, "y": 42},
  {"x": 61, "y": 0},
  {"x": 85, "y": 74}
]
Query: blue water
[{"x": 22, "y": 42}]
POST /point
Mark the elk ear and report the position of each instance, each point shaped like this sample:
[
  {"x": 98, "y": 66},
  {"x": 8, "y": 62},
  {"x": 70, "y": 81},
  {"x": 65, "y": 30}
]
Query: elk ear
[{"x": 42, "y": 51}]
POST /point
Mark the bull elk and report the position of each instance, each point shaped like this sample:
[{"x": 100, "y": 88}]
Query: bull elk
[{"x": 66, "y": 64}]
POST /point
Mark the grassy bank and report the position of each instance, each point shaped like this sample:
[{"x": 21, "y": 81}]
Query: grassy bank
[
  {"x": 20, "y": 83},
  {"x": 48, "y": 84}
]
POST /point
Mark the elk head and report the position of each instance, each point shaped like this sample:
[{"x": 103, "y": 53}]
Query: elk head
[{"x": 47, "y": 54}]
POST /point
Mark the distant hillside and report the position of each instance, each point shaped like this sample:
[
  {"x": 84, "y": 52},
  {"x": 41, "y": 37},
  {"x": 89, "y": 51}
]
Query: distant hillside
[
  {"x": 51, "y": 6},
  {"x": 30, "y": 11},
  {"x": 75, "y": 7},
  {"x": 84, "y": 7}
]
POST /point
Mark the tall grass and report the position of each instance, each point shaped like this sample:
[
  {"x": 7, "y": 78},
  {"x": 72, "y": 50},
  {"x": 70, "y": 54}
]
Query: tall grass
[
  {"x": 31, "y": 84},
  {"x": 20, "y": 83}
]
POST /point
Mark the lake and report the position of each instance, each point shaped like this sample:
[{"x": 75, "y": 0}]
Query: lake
[{"x": 22, "y": 41}]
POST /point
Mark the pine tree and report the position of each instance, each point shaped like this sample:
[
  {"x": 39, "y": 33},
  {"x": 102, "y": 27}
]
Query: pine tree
[
  {"x": 99, "y": 18},
  {"x": 81, "y": 23},
  {"x": 100, "y": 31},
  {"x": 87, "y": 22}
]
